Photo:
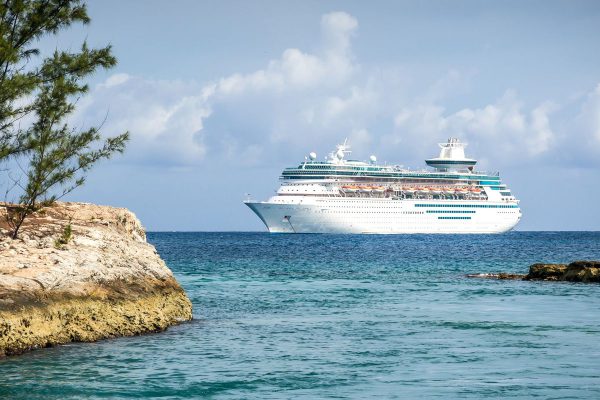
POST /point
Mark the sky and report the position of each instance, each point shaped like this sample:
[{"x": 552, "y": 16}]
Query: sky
[{"x": 220, "y": 96}]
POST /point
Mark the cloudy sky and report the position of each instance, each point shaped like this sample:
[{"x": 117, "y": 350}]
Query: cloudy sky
[{"x": 220, "y": 96}]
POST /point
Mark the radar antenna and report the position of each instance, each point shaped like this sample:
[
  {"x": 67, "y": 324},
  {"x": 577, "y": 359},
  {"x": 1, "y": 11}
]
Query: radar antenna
[{"x": 341, "y": 150}]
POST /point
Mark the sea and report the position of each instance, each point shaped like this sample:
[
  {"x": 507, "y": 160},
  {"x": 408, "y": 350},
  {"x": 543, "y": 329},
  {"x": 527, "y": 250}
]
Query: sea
[{"x": 346, "y": 317}]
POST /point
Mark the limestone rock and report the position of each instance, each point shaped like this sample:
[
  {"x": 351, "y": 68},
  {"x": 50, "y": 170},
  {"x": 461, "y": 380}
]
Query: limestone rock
[{"x": 106, "y": 281}]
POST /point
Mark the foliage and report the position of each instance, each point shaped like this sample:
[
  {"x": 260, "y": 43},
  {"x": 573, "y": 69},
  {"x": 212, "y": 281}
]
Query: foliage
[
  {"x": 65, "y": 237},
  {"x": 57, "y": 155}
]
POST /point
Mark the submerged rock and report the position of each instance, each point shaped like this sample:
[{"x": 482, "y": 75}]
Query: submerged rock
[
  {"x": 501, "y": 275},
  {"x": 102, "y": 280},
  {"x": 577, "y": 271}
]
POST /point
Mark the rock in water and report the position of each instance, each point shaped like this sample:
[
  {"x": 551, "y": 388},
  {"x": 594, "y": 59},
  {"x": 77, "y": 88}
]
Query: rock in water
[
  {"x": 546, "y": 272},
  {"x": 499, "y": 276},
  {"x": 103, "y": 280},
  {"x": 583, "y": 271},
  {"x": 577, "y": 271}
]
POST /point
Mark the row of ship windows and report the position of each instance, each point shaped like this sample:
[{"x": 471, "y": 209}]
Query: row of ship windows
[
  {"x": 492, "y": 180},
  {"x": 343, "y": 203},
  {"x": 303, "y": 190},
  {"x": 374, "y": 212},
  {"x": 396, "y": 212},
  {"x": 387, "y": 204},
  {"x": 469, "y": 205},
  {"x": 451, "y": 211},
  {"x": 391, "y": 208}
]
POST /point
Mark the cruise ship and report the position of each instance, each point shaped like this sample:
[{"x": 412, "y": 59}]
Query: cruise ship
[{"x": 340, "y": 195}]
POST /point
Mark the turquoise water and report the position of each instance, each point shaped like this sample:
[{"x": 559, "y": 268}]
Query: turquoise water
[{"x": 327, "y": 316}]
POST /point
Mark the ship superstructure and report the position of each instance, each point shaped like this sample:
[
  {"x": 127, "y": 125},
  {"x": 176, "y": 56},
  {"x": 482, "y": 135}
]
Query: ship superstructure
[{"x": 340, "y": 195}]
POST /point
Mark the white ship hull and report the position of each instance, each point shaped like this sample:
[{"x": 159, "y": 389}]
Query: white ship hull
[{"x": 301, "y": 214}]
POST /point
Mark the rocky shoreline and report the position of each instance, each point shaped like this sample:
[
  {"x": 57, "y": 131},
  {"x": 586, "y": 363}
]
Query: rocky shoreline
[
  {"x": 102, "y": 281},
  {"x": 577, "y": 271}
]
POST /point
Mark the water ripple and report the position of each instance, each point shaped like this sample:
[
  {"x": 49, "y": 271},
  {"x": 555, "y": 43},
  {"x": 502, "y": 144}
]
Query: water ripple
[{"x": 326, "y": 316}]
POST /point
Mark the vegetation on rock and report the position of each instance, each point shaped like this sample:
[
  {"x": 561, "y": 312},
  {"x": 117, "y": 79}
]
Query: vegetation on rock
[
  {"x": 65, "y": 237},
  {"x": 109, "y": 283},
  {"x": 45, "y": 90}
]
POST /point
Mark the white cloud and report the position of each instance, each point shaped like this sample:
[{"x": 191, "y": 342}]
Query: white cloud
[
  {"x": 505, "y": 124},
  {"x": 167, "y": 119},
  {"x": 116, "y": 80},
  {"x": 310, "y": 100},
  {"x": 298, "y": 70},
  {"x": 503, "y": 127},
  {"x": 542, "y": 138},
  {"x": 588, "y": 119},
  {"x": 338, "y": 28},
  {"x": 164, "y": 118}
]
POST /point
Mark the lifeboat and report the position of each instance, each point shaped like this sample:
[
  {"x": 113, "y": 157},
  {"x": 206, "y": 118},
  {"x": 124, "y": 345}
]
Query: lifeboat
[
  {"x": 435, "y": 190},
  {"x": 364, "y": 189},
  {"x": 350, "y": 189},
  {"x": 409, "y": 190},
  {"x": 449, "y": 190},
  {"x": 462, "y": 191},
  {"x": 378, "y": 189},
  {"x": 422, "y": 191},
  {"x": 476, "y": 192}
]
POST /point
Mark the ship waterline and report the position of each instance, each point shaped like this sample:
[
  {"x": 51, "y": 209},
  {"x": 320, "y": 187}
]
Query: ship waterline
[
  {"x": 345, "y": 196},
  {"x": 382, "y": 217}
]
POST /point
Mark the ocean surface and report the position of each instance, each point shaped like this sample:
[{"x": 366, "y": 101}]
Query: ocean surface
[{"x": 333, "y": 316}]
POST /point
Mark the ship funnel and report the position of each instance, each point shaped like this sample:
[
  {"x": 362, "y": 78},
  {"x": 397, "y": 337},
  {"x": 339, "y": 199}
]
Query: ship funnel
[{"x": 452, "y": 157}]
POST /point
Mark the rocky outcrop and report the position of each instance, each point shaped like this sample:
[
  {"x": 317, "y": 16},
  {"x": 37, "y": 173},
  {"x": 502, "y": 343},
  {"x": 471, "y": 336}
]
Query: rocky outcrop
[
  {"x": 545, "y": 272},
  {"x": 583, "y": 271},
  {"x": 81, "y": 272},
  {"x": 577, "y": 271}
]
